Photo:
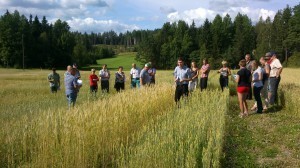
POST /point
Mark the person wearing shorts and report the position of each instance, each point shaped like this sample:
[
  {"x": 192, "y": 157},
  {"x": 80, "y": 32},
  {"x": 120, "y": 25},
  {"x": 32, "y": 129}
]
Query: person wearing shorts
[
  {"x": 243, "y": 79},
  {"x": 182, "y": 76},
  {"x": 93, "y": 82}
]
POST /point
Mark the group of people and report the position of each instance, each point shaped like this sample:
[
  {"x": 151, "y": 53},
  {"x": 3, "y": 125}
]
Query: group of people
[
  {"x": 186, "y": 78},
  {"x": 139, "y": 77},
  {"x": 262, "y": 80}
]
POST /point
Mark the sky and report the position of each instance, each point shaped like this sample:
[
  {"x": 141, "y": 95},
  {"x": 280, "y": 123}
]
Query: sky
[{"x": 127, "y": 15}]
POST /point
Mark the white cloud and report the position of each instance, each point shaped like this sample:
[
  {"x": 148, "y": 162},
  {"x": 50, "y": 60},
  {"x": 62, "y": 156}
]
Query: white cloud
[
  {"x": 200, "y": 14},
  {"x": 91, "y": 25}
]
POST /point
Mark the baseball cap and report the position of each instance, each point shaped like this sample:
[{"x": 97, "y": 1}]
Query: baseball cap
[{"x": 147, "y": 65}]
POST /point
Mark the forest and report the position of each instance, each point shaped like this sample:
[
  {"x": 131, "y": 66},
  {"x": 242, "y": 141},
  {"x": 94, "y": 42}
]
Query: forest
[{"x": 35, "y": 43}]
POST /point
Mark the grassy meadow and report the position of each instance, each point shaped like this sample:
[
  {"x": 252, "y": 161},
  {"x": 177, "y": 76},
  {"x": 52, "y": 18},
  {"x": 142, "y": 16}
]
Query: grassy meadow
[
  {"x": 143, "y": 128},
  {"x": 122, "y": 59}
]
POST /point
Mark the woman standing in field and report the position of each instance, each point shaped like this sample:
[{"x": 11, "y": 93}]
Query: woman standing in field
[
  {"x": 194, "y": 74},
  {"x": 257, "y": 84},
  {"x": 120, "y": 79},
  {"x": 224, "y": 73},
  {"x": 243, "y": 79},
  {"x": 93, "y": 82},
  {"x": 204, "y": 71},
  {"x": 265, "y": 67}
]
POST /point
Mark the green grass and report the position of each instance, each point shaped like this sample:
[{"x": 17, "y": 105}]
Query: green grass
[{"x": 122, "y": 59}]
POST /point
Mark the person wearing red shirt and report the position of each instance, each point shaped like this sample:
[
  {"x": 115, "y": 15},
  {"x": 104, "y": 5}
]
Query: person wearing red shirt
[{"x": 93, "y": 82}]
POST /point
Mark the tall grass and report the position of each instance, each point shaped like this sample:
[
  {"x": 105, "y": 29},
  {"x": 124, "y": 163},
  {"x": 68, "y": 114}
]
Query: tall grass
[
  {"x": 87, "y": 136},
  {"x": 189, "y": 137}
]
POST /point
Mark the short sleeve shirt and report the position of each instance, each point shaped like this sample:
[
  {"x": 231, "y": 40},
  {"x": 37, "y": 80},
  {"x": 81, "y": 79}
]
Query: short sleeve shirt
[
  {"x": 153, "y": 71},
  {"x": 275, "y": 66},
  {"x": 145, "y": 76},
  {"x": 104, "y": 73},
  {"x": 255, "y": 76},
  {"x": 70, "y": 82},
  {"x": 55, "y": 77},
  {"x": 92, "y": 81},
  {"x": 135, "y": 72},
  {"x": 182, "y": 73},
  {"x": 205, "y": 68},
  {"x": 244, "y": 75}
]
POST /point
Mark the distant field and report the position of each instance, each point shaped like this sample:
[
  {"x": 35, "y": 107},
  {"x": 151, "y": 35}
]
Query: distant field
[{"x": 123, "y": 59}]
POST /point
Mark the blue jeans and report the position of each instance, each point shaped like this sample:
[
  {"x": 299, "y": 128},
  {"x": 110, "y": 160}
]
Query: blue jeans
[
  {"x": 135, "y": 82},
  {"x": 256, "y": 91},
  {"x": 71, "y": 99}
]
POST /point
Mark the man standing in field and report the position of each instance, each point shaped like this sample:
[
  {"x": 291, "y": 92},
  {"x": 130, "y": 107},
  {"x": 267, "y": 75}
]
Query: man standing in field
[
  {"x": 54, "y": 80},
  {"x": 152, "y": 72},
  {"x": 135, "y": 76},
  {"x": 249, "y": 67},
  {"x": 72, "y": 88},
  {"x": 144, "y": 76},
  {"x": 68, "y": 72},
  {"x": 274, "y": 78},
  {"x": 104, "y": 74},
  {"x": 182, "y": 76}
]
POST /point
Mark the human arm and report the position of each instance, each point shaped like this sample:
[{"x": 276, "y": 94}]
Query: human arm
[
  {"x": 237, "y": 78},
  {"x": 188, "y": 76}
]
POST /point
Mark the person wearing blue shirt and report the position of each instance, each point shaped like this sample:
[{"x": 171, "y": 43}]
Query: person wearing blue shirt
[
  {"x": 182, "y": 76},
  {"x": 72, "y": 87}
]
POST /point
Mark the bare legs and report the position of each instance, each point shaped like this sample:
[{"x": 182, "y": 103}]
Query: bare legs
[{"x": 243, "y": 104}]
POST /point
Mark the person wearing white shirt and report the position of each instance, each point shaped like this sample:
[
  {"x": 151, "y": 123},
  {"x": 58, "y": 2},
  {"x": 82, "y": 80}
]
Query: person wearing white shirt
[
  {"x": 274, "y": 78},
  {"x": 257, "y": 85},
  {"x": 135, "y": 76},
  {"x": 104, "y": 74},
  {"x": 182, "y": 76}
]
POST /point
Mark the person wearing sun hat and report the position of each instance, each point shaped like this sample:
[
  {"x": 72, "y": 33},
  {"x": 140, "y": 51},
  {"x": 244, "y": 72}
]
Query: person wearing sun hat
[{"x": 145, "y": 76}]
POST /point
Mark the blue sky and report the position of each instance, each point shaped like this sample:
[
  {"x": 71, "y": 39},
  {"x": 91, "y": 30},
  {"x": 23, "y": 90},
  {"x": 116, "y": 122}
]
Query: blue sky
[{"x": 127, "y": 15}]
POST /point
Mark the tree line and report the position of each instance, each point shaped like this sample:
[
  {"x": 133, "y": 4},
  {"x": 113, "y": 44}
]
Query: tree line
[
  {"x": 40, "y": 44},
  {"x": 224, "y": 39}
]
